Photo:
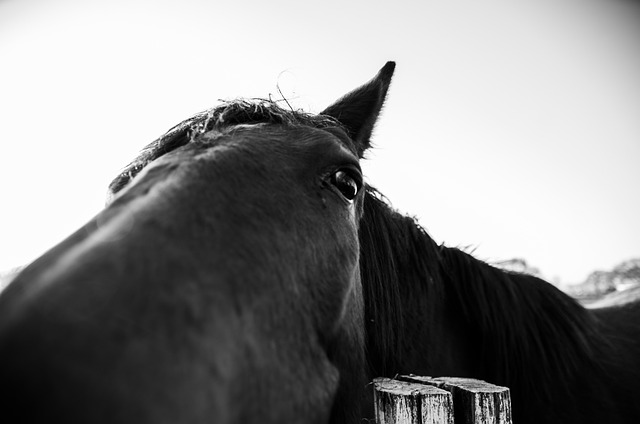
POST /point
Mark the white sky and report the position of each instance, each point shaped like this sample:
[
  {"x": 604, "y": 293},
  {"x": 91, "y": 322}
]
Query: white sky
[{"x": 512, "y": 126}]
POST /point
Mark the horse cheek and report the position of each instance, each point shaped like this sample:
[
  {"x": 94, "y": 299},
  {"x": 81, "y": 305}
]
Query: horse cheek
[{"x": 340, "y": 319}]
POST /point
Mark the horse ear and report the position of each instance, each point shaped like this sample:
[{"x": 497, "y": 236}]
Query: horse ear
[{"x": 359, "y": 109}]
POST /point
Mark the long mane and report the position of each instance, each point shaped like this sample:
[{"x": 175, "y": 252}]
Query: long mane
[
  {"x": 530, "y": 336},
  {"x": 396, "y": 256},
  {"x": 521, "y": 324}
]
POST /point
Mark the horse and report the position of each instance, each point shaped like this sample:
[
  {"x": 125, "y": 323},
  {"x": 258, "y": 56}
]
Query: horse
[{"x": 243, "y": 271}]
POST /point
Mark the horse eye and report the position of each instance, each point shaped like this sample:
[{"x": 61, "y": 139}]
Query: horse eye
[{"x": 346, "y": 184}]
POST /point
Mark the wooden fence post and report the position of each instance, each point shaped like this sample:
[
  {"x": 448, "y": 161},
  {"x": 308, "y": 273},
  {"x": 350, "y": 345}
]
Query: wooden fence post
[
  {"x": 474, "y": 401},
  {"x": 401, "y": 402}
]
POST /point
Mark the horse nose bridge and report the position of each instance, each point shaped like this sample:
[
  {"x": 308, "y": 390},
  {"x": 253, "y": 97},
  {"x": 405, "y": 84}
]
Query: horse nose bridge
[
  {"x": 158, "y": 310},
  {"x": 163, "y": 358},
  {"x": 124, "y": 327}
]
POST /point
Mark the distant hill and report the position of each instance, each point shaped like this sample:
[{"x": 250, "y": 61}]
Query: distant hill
[
  {"x": 618, "y": 284},
  {"x": 617, "y": 297},
  {"x": 518, "y": 265},
  {"x": 624, "y": 276}
]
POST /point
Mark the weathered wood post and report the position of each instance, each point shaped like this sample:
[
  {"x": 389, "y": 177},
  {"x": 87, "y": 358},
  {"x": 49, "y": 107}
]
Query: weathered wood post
[
  {"x": 474, "y": 401},
  {"x": 411, "y": 399},
  {"x": 401, "y": 402}
]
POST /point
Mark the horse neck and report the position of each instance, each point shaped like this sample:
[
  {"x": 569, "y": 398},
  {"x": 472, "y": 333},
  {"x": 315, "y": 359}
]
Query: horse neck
[
  {"x": 517, "y": 320},
  {"x": 406, "y": 319},
  {"x": 434, "y": 310},
  {"x": 553, "y": 354}
]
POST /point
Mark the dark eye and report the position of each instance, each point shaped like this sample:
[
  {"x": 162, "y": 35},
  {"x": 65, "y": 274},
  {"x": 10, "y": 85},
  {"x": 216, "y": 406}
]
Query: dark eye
[{"x": 346, "y": 184}]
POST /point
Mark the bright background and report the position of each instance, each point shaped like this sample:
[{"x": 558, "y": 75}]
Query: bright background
[{"x": 512, "y": 126}]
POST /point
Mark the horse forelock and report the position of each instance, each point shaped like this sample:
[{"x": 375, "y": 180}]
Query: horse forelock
[{"x": 227, "y": 116}]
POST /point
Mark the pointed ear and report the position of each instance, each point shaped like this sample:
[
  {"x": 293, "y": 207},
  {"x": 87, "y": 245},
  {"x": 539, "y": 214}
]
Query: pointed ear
[{"x": 359, "y": 110}]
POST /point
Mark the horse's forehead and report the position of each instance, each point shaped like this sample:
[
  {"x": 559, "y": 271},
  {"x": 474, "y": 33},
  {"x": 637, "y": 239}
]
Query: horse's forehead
[
  {"x": 299, "y": 139},
  {"x": 256, "y": 139}
]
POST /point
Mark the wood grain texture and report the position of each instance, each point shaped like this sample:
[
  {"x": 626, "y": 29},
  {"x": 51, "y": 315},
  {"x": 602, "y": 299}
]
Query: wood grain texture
[
  {"x": 401, "y": 402},
  {"x": 475, "y": 401}
]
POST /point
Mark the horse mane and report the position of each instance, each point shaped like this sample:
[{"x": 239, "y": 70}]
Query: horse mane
[
  {"x": 530, "y": 336},
  {"x": 227, "y": 115},
  {"x": 522, "y": 323},
  {"x": 395, "y": 253}
]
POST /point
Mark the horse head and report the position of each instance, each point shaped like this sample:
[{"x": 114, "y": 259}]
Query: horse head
[{"x": 221, "y": 283}]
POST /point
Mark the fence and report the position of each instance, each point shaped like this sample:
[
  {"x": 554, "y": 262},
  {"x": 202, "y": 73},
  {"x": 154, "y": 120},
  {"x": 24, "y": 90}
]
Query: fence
[{"x": 410, "y": 399}]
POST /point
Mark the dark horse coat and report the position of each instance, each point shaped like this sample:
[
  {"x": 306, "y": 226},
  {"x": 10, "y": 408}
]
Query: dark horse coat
[{"x": 243, "y": 272}]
